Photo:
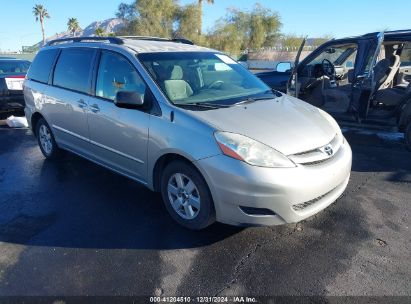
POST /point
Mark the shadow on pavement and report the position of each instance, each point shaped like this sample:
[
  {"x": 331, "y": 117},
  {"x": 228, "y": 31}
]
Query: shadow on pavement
[{"x": 75, "y": 203}]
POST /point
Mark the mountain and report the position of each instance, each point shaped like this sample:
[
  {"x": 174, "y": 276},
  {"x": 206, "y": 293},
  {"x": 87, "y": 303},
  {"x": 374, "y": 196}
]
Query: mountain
[{"x": 109, "y": 26}]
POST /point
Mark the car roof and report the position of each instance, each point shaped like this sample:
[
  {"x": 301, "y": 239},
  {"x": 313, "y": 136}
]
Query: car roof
[
  {"x": 152, "y": 46},
  {"x": 388, "y": 35},
  {"x": 139, "y": 44}
]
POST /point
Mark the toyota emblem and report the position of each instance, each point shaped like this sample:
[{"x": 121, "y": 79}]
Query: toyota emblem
[{"x": 328, "y": 150}]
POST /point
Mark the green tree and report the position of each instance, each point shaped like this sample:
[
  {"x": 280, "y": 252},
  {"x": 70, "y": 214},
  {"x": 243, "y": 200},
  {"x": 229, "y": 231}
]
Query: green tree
[
  {"x": 73, "y": 26},
  {"x": 153, "y": 18},
  {"x": 240, "y": 30},
  {"x": 264, "y": 27},
  {"x": 291, "y": 41},
  {"x": 41, "y": 13},
  {"x": 100, "y": 32},
  {"x": 187, "y": 20},
  {"x": 125, "y": 11},
  {"x": 226, "y": 37},
  {"x": 200, "y": 15}
]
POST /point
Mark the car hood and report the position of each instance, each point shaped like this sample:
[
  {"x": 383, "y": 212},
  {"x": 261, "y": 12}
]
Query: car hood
[{"x": 285, "y": 123}]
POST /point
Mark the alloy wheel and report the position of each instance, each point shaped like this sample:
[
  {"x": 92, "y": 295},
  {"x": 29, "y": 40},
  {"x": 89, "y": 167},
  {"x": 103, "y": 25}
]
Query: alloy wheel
[
  {"x": 45, "y": 139},
  {"x": 184, "y": 196}
]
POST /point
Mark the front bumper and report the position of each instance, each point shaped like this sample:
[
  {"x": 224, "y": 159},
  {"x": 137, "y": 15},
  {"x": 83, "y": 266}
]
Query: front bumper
[{"x": 292, "y": 194}]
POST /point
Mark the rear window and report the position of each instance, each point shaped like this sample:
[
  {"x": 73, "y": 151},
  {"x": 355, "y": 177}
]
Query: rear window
[
  {"x": 14, "y": 66},
  {"x": 41, "y": 66},
  {"x": 73, "y": 69}
]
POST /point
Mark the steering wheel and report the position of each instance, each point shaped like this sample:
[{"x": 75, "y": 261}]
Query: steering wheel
[
  {"x": 328, "y": 68},
  {"x": 215, "y": 84}
]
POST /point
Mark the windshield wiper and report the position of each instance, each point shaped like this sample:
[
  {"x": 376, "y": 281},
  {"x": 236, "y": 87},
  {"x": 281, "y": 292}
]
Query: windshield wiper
[
  {"x": 202, "y": 105},
  {"x": 251, "y": 100},
  {"x": 245, "y": 101}
]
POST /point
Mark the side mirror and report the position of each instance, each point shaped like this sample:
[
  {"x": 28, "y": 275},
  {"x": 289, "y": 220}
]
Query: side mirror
[
  {"x": 283, "y": 66},
  {"x": 128, "y": 100}
]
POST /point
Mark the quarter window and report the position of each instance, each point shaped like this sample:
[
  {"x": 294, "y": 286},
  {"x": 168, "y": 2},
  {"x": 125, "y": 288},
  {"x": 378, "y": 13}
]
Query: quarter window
[
  {"x": 117, "y": 74},
  {"x": 41, "y": 66},
  {"x": 73, "y": 69}
]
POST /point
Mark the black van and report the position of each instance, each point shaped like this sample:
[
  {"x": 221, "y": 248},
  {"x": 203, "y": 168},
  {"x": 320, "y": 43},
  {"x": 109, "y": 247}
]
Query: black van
[
  {"x": 12, "y": 73},
  {"x": 361, "y": 81}
]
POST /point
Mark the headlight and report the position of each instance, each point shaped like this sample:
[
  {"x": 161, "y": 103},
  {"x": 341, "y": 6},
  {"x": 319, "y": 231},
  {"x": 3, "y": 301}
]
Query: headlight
[{"x": 251, "y": 151}]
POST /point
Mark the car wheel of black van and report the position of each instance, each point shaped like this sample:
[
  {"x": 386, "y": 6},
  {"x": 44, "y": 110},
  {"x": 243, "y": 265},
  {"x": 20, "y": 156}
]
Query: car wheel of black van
[
  {"x": 187, "y": 196},
  {"x": 46, "y": 140},
  {"x": 408, "y": 136}
]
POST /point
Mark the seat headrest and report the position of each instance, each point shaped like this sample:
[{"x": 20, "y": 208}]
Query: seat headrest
[{"x": 176, "y": 73}]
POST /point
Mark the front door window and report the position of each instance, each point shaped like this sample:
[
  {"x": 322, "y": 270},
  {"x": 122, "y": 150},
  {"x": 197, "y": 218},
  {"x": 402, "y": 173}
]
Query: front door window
[{"x": 117, "y": 74}]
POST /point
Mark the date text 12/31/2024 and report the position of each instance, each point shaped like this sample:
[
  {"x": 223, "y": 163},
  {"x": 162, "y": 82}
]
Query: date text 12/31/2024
[{"x": 203, "y": 299}]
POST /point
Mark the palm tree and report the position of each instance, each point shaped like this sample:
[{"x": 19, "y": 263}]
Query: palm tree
[
  {"x": 100, "y": 32},
  {"x": 73, "y": 26},
  {"x": 200, "y": 9},
  {"x": 41, "y": 13}
]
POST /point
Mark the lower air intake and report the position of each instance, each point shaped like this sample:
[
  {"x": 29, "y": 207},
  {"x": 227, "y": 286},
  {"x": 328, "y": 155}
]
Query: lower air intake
[{"x": 256, "y": 211}]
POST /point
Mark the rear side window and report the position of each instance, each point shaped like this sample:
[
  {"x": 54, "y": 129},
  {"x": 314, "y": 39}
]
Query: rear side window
[
  {"x": 41, "y": 66},
  {"x": 73, "y": 69}
]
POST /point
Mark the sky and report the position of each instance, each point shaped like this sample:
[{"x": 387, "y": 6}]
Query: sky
[{"x": 313, "y": 18}]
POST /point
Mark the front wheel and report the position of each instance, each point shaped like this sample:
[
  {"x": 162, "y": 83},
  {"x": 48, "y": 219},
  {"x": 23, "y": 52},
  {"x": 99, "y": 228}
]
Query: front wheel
[
  {"x": 46, "y": 140},
  {"x": 186, "y": 196},
  {"x": 408, "y": 135}
]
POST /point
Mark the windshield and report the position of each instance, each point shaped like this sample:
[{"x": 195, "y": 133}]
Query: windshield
[
  {"x": 202, "y": 77},
  {"x": 13, "y": 66},
  {"x": 336, "y": 54}
]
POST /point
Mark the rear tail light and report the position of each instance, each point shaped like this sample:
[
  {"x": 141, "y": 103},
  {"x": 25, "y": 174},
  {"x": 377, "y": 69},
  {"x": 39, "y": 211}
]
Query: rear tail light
[{"x": 16, "y": 76}]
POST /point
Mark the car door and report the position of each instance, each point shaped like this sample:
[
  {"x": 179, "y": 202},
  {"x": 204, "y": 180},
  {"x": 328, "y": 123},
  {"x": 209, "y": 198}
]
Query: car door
[
  {"x": 292, "y": 85},
  {"x": 364, "y": 83},
  {"x": 66, "y": 100},
  {"x": 118, "y": 136}
]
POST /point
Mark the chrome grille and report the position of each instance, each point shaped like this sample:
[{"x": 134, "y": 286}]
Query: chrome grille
[{"x": 320, "y": 154}]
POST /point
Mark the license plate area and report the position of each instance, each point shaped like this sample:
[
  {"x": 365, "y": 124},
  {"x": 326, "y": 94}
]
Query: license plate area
[{"x": 14, "y": 84}]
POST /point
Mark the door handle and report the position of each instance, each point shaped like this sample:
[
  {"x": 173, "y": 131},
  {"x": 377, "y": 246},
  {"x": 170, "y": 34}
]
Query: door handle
[
  {"x": 82, "y": 104},
  {"x": 94, "y": 108}
]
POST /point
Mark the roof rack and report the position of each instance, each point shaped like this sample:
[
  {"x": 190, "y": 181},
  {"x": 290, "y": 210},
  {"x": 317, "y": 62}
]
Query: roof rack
[
  {"x": 151, "y": 38},
  {"x": 114, "y": 40}
]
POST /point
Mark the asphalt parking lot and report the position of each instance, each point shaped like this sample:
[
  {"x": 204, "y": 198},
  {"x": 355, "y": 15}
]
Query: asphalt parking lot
[{"x": 72, "y": 228}]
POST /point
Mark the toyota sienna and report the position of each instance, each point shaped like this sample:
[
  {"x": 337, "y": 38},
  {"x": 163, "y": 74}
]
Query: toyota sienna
[{"x": 189, "y": 122}]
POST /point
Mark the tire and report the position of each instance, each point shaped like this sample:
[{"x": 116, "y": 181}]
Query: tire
[
  {"x": 46, "y": 141},
  {"x": 407, "y": 135},
  {"x": 185, "y": 186}
]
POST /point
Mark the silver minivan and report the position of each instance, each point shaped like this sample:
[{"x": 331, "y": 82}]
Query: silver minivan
[{"x": 191, "y": 123}]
